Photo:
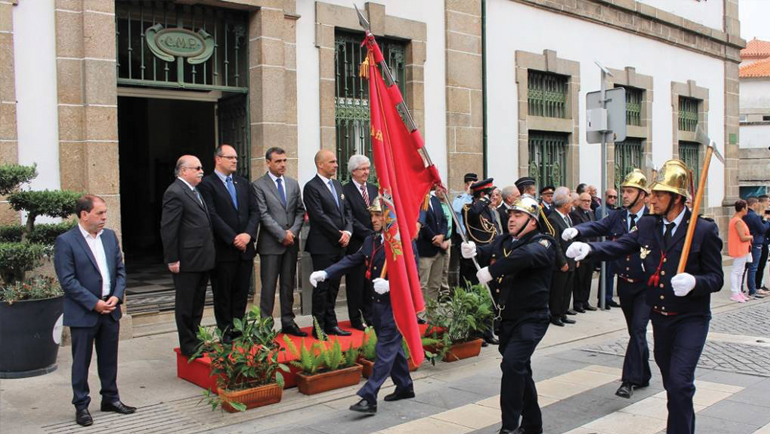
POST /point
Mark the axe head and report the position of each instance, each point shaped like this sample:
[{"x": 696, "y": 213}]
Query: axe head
[
  {"x": 362, "y": 20},
  {"x": 703, "y": 138}
]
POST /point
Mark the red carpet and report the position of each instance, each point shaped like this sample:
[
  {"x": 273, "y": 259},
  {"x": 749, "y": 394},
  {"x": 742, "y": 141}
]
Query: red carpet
[{"x": 198, "y": 371}]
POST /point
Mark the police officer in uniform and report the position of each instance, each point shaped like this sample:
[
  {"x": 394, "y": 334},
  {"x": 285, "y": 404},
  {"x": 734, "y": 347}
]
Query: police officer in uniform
[
  {"x": 522, "y": 263},
  {"x": 391, "y": 359},
  {"x": 680, "y": 302},
  {"x": 480, "y": 224},
  {"x": 631, "y": 279}
]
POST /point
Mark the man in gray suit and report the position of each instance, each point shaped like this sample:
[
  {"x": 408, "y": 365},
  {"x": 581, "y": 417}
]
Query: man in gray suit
[{"x": 282, "y": 213}]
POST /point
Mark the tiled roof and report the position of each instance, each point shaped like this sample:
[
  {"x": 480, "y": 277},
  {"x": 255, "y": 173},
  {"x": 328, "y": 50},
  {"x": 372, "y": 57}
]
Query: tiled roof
[
  {"x": 756, "y": 49},
  {"x": 759, "y": 68}
]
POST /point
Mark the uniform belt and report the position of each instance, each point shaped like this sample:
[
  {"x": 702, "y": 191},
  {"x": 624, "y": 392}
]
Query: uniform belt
[
  {"x": 629, "y": 280},
  {"x": 663, "y": 312}
]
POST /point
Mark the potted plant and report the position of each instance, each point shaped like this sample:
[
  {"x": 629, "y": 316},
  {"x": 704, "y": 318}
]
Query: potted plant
[
  {"x": 455, "y": 323},
  {"x": 368, "y": 354},
  {"x": 247, "y": 370},
  {"x": 31, "y": 308},
  {"x": 324, "y": 367}
]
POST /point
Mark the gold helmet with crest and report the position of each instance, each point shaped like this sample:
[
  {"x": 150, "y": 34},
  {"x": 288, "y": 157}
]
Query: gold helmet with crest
[
  {"x": 673, "y": 177},
  {"x": 528, "y": 205},
  {"x": 636, "y": 179}
]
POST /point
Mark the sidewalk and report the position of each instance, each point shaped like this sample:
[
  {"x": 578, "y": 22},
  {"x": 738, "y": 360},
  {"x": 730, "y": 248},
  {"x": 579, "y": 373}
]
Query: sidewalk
[{"x": 147, "y": 379}]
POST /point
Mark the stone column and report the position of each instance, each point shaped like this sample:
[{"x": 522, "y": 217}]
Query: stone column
[
  {"x": 9, "y": 151},
  {"x": 464, "y": 93}
]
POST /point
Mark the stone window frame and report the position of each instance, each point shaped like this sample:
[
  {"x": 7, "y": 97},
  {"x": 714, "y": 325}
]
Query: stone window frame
[
  {"x": 629, "y": 77},
  {"x": 549, "y": 61},
  {"x": 690, "y": 90},
  {"x": 329, "y": 18}
]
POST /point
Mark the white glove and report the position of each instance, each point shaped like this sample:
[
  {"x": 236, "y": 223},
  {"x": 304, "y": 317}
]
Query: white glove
[
  {"x": 578, "y": 251},
  {"x": 569, "y": 234},
  {"x": 381, "y": 286},
  {"x": 468, "y": 249},
  {"x": 683, "y": 283},
  {"x": 317, "y": 276},
  {"x": 484, "y": 276}
]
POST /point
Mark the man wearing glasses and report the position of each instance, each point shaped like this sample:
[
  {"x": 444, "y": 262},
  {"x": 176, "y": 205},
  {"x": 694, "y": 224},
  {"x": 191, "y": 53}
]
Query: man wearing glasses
[{"x": 188, "y": 248}]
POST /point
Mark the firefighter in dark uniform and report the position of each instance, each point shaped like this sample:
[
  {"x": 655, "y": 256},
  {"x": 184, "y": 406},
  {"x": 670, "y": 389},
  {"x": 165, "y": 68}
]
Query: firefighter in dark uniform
[
  {"x": 391, "y": 359},
  {"x": 522, "y": 263},
  {"x": 680, "y": 302},
  {"x": 631, "y": 280},
  {"x": 479, "y": 223}
]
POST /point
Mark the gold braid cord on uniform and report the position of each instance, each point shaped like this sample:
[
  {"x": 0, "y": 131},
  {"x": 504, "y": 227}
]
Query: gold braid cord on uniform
[
  {"x": 486, "y": 226},
  {"x": 548, "y": 227}
]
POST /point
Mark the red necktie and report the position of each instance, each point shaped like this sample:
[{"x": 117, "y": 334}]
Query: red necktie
[{"x": 365, "y": 195}]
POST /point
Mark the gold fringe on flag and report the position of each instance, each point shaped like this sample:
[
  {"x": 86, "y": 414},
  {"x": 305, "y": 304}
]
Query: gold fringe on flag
[
  {"x": 363, "y": 70},
  {"x": 426, "y": 202}
]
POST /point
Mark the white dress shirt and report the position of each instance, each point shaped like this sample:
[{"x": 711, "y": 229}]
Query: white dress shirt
[
  {"x": 677, "y": 222},
  {"x": 275, "y": 181},
  {"x": 97, "y": 248}
]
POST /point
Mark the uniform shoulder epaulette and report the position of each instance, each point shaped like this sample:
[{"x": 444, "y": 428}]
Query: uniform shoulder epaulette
[{"x": 708, "y": 219}]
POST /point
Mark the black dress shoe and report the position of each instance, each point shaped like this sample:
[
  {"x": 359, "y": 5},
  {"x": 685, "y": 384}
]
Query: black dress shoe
[
  {"x": 358, "y": 325},
  {"x": 293, "y": 330},
  {"x": 589, "y": 307},
  {"x": 557, "y": 322},
  {"x": 491, "y": 340},
  {"x": 566, "y": 320},
  {"x": 337, "y": 331},
  {"x": 399, "y": 395},
  {"x": 626, "y": 390},
  {"x": 117, "y": 407},
  {"x": 570, "y": 312},
  {"x": 580, "y": 310},
  {"x": 613, "y": 304},
  {"x": 83, "y": 417},
  {"x": 484, "y": 344},
  {"x": 521, "y": 430},
  {"x": 363, "y": 406},
  {"x": 421, "y": 321}
]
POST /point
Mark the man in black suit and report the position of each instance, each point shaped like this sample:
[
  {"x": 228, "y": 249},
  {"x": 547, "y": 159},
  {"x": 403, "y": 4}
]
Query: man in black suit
[
  {"x": 510, "y": 196},
  {"x": 331, "y": 226},
  {"x": 188, "y": 248},
  {"x": 564, "y": 272},
  {"x": 432, "y": 248},
  {"x": 90, "y": 269},
  {"x": 234, "y": 216},
  {"x": 360, "y": 195},
  {"x": 281, "y": 214},
  {"x": 585, "y": 273}
]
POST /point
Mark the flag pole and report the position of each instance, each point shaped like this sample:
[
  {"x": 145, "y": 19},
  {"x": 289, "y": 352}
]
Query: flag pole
[{"x": 406, "y": 117}]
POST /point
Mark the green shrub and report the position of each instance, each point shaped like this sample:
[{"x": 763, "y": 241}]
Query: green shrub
[
  {"x": 309, "y": 361},
  {"x": 368, "y": 346},
  {"x": 58, "y": 203},
  {"x": 11, "y": 233},
  {"x": 468, "y": 313},
  {"x": 18, "y": 258},
  {"x": 36, "y": 288},
  {"x": 46, "y": 233},
  {"x": 12, "y": 176}
]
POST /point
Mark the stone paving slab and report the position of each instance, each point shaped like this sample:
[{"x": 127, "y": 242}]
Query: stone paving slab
[{"x": 752, "y": 320}]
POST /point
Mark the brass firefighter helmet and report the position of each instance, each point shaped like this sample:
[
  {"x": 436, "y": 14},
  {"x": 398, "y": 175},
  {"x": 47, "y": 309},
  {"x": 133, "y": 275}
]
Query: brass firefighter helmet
[
  {"x": 636, "y": 179},
  {"x": 375, "y": 205},
  {"x": 528, "y": 205},
  {"x": 673, "y": 177}
]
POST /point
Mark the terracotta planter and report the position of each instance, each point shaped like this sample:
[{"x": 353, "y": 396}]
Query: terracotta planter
[
  {"x": 325, "y": 381},
  {"x": 368, "y": 367},
  {"x": 463, "y": 350},
  {"x": 252, "y": 398}
]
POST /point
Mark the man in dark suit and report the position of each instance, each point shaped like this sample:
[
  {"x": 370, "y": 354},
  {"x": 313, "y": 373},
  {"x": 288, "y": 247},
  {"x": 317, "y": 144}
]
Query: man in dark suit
[
  {"x": 282, "y": 214},
  {"x": 235, "y": 219},
  {"x": 359, "y": 194},
  {"x": 546, "y": 199},
  {"x": 188, "y": 246},
  {"x": 432, "y": 248},
  {"x": 331, "y": 226},
  {"x": 90, "y": 269},
  {"x": 564, "y": 272},
  {"x": 585, "y": 273},
  {"x": 510, "y": 196}
]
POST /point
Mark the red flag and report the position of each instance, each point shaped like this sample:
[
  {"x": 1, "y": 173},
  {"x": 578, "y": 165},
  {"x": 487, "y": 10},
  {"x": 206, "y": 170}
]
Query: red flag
[{"x": 404, "y": 182}]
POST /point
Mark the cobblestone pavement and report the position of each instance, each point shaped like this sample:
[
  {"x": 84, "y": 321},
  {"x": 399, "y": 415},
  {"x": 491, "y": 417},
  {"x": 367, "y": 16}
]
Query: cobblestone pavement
[{"x": 752, "y": 320}]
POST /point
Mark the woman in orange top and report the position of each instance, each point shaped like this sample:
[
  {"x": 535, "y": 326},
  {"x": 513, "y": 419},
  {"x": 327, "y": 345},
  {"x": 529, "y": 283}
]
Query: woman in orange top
[{"x": 739, "y": 248}]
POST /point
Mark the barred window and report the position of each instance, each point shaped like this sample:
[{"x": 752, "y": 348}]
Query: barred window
[
  {"x": 688, "y": 114},
  {"x": 628, "y": 156},
  {"x": 548, "y": 158},
  {"x": 634, "y": 97},
  {"x": 689, "y": 153},
  {"x": 547, "y": 94}
]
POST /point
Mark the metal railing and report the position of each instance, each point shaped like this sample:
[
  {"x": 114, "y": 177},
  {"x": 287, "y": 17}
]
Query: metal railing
[
  {"x": 548, "y": 158},
  {"x": 628, "y": 156},
  {"x": 547, "y": 94},
  {"x": 688, "y": 114}
]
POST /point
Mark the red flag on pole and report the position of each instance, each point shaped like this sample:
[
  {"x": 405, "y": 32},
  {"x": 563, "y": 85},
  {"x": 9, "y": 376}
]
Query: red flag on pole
[{"x": 404, "y": 181}]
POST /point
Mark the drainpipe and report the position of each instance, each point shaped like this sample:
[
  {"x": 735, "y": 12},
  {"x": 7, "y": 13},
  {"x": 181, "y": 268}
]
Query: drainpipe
[{"x": 484, "y": 81}]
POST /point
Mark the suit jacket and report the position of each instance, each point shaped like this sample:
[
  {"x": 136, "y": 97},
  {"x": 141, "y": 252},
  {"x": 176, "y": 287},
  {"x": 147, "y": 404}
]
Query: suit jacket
[
  {"x": 185, "y": 228},
  {"x": 275, "y": 217},
  {"x": 326, "y": 218},
  {"x": 80, "y": 278},
  {"x": 433, "y": 223},
  {"x": 362, "y": 220},
  {"x": 559, "y": 225},
  {"x": 228, "y": 221},
  {"x": 580, "y": 216},
  {"x": 502, "y": 210}
]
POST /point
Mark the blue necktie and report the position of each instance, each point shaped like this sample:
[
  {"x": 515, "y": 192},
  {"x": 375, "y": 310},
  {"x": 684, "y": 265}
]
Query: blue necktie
[
  {"x": 281, "y": 192},
  {"x": 334, "y": 193},
  {"x": 231, "y": 190}
]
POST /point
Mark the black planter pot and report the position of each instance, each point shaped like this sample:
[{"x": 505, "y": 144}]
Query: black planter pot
[{"x": 30, "y": 334}]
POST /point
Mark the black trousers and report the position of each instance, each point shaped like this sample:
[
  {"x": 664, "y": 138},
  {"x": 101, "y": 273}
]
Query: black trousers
[
  {"x": 561, "y": 292},
  {"x": 633, "y": 301},
  {"x": 188, "y": 307},
  {"x": 325, "y": 294},
  {"x": 761, "y": 267},
  {"x": 105, "y": 335},
  {"x": 230, "y": 283},
  {"x": 518, "y": 395},
  {"x": 582, "y": 285},
  {"x": 679, "y": 342},
  {"x": 359, "y": 294},
  {"x": 273, "y": 267}
]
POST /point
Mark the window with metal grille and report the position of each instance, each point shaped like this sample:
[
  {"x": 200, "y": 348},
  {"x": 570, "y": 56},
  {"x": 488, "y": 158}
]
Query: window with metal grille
[
  {"x": 689, "y": 153},
  {"x": 628, "y": 156},
  {"x": 547, "y": 94},
  {"x": 351, "y": 95},
  {"x": 548, "y": 158},
  {"x": 634, "y": 99},
  {"x": 688, "y": 114}
]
